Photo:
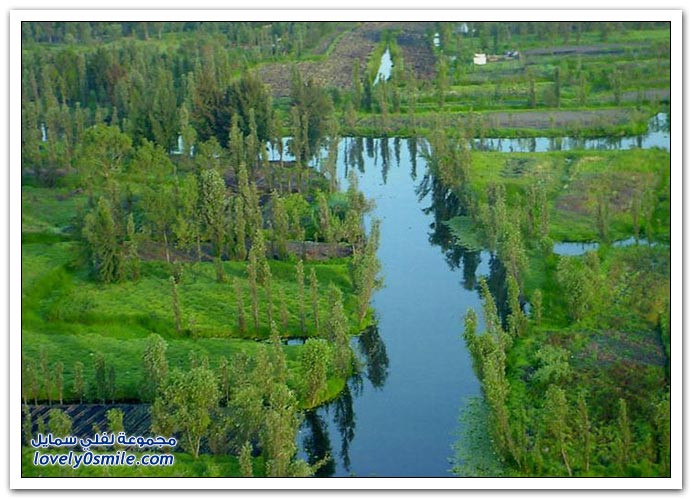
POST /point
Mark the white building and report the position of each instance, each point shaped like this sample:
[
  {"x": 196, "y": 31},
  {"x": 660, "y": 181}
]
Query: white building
[{"x": 480, "y": 59}]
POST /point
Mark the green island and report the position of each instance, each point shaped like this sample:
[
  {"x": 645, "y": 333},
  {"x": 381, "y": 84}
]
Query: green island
[{"x": 194, "y": 265}]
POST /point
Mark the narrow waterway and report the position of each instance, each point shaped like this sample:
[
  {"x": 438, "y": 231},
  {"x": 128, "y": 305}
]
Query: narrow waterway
[
  {"x": 384, "y": 72},
  {"x": 400, "y": 416}
]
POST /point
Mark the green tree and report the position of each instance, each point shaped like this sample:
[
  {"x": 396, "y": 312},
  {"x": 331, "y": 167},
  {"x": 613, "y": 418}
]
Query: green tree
[
  {"x": 114, "y": 418},
  {"x": 100, "y": 381},
  {"x": 46, "y": 377},
  {"x": 441, "y": 80},
  {"x": 102, "y": 155},
  {"x": 623, "y": 437},
  {"x": 187, "y": 223},
  {"x": 101, "y": 235},
  {"x": 213, "y": 210},
  {"x": 27, "y": 425},
  {"x": 365, "y": 270},
  {"x": 253, "y": 271},
  {"x": 300, "y": 277},
  {"x": 277, "y": 356},
  {"x": 131, "y": 262},
  {"x": 553, "y": 365},
  {"x": 184, "y": 404},
  {"x": 280, "y": 225},
  {"x": 579, "y": 286},
  {"x": 662, "y": 425},
  {"x": 314, "y": 294},
  {"x": 175, "y": 305},
  {"x": 583, "y": 431},
  {"x": 283, "y": 309},
  {"x": 245, "y": 460},
  {"x": 518, "y": 323},
  {"x": 59, "y": 423},
  {"x": 239, "y": 230},
  {"x": 555, "y": 411},
  {"x": 58, "y": 370},
  {"x": 513, "y": 252},
  {"x": 537, "y": 307},
  {"x": 240, "y": 306},
  {"x": 78, "y": 381},
  {"x": 324, "y": 218},
  {"x": 110, "y": 383},
  {"x": 246, "y": 408},
  {"x": 155, "y": 365},
  {"x": 337, "y": 332},
  {"x": 30, "y": 381},
  {"x": 281, "y": 422},
  {"x": 159, "y": 208},
  {"x": 314, "y": 362},
  {"x": 496, "y": 389}
]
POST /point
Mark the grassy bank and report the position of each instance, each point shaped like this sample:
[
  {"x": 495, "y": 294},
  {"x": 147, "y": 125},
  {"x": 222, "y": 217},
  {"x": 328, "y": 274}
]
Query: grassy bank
[{"x": 575, "y": 367}]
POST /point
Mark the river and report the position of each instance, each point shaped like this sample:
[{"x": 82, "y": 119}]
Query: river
[{"x": 400, "y": 417}]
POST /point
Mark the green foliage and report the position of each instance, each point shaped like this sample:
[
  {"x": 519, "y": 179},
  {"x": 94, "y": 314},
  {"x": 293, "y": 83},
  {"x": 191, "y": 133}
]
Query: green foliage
[
  {"x": 474, "y": 453},
  {"x": 245, "y": 461},
  {"x": 100, "y": 386},
  {"x": 115, "y": 420},
  {"x": 155, "y": 366},
  {"x": 59, "y": 423},
  {"x": 101, "y": 235},
  {"x": 184, "y": 404},
  {"x": 556, "y": 424},
  {"x": 365, "y": 270},
  {"x": 553, "y": 365},
  {"x": 314, "y": 360}
]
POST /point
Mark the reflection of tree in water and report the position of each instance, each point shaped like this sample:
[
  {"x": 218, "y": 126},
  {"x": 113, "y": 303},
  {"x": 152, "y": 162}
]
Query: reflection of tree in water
[
  {"x": 397, "y": 151},
  {"x": 470, "y": 262},
  {"x": 317, "y": 445},
  {"x": 353, "y": 156},
  {"x": 413, "y": 156},
  {"x": 384, "y": 157},
  {"x": 375, "y": 353},
  {"x": 370, "y": 148},
  {"x": 444, "y": 206},
  {"x": 345, "y": 421},
  {"x": 497, "y": 283}
]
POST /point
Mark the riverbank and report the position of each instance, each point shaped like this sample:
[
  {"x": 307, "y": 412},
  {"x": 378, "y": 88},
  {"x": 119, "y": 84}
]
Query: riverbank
[{"x": 573, "y": 349}]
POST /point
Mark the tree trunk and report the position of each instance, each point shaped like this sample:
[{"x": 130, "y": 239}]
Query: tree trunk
[
  {"x": 564, "y": 458},
  {"x": 165, "y": 241}
]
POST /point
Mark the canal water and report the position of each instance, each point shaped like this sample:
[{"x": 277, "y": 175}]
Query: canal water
[
  {"x": 400, "y": 417},
  {"x": 384, "y": 72}
]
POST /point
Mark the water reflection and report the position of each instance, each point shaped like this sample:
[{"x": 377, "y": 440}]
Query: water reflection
[
  {"x": 373, "y": 353},
  {"x": 657, "y": 135},
  {"x": 445, "y": 205},
  {"x": 345, "y": 421},
  {"x": 412, "y": 144},
  {"x": 317, "y": 445}
]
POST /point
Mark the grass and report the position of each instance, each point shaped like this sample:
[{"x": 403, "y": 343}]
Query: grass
[
  {"x": 71, "y": 317},
  {"x": 571, "y": 178}
]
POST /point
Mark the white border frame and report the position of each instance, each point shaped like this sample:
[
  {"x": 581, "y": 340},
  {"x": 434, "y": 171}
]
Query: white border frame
[{"x": 16, "y": 481}]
